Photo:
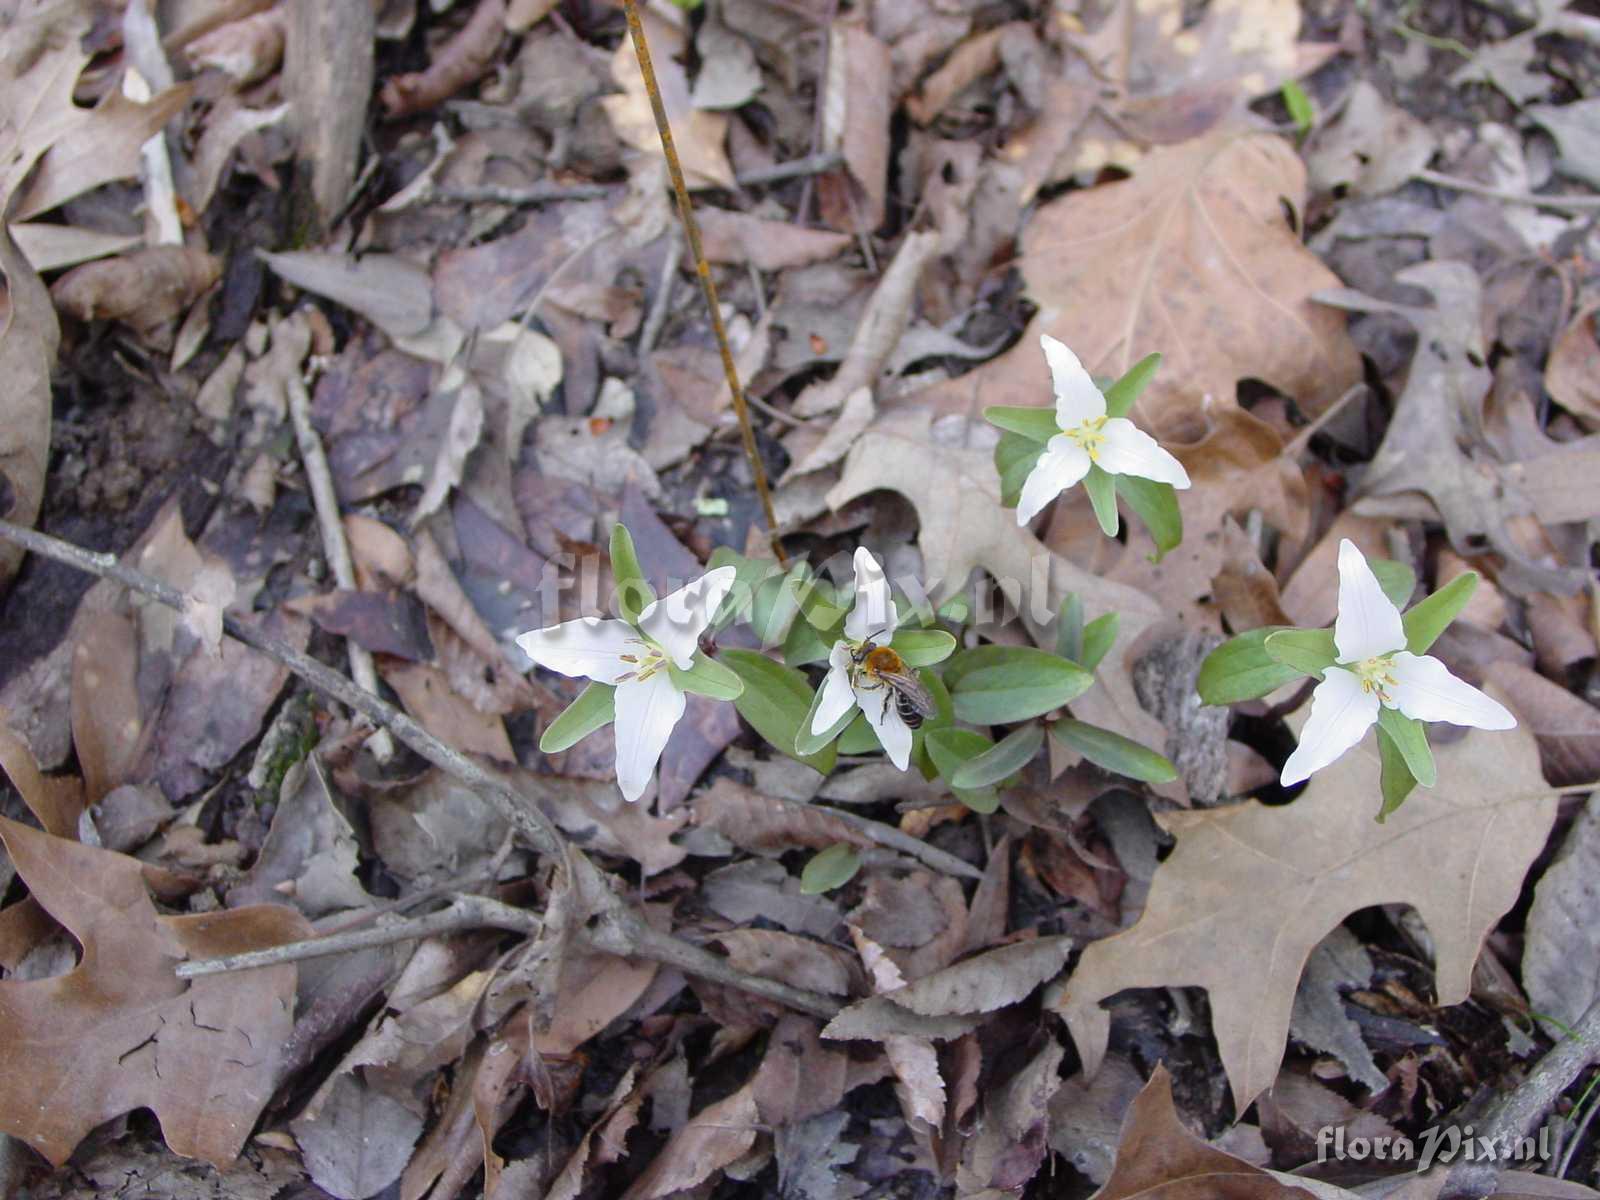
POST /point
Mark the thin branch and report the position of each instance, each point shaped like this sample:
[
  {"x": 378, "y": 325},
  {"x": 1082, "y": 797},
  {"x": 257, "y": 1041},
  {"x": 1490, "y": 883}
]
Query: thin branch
[
  {"x": 614, "y": 928},
  {"x": 334, "y": 546},
  {"x": 1572, "y": 204},
  {"x": 891, "y": 838},
  {"x": 811, "y": 164},
  {"x": 464, "y": 912},
  {"x": 1516, "y": 1114},
  {"x": 691, "y": 230}
]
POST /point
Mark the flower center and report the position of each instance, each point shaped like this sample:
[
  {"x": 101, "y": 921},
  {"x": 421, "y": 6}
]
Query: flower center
[
  {"x": 646, "y": 661},
  {"x": 1376, "y": 675},
  {"x": 1089, "y": 436}
]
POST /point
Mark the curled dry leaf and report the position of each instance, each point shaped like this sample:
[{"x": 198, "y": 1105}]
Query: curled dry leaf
[
  {"x": 856, "y": 109},
  {"x": 144, "y": 290},
  {"x": 1573, "y": 372},
  {"x": 734, "y": 237},
  {"x": 121, "y": 1030},
  {"x": 463, "y": 60},
  {"x": 27, "y": 351},
  {"x": 246, "y": 51},
  {"x": 1271, "y": 883},
  {"x": 914, "y": 1059}
]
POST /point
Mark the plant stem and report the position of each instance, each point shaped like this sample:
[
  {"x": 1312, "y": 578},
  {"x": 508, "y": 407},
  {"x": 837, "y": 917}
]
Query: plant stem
[{"x": 691, "y": 231}]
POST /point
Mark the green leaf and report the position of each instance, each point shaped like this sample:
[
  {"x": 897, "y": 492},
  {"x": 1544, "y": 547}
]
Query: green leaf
[
  {"x": 1299, "y": 105},
  {"x": 708, "y": 677},
  {"x": 1034, "y": 422},
  {"x": 1099, "y": 635},
  {"x": 1008, "y": 756},
  {"x": 1115, "y": 752},
  {"x": 830, "y": 868},
  {"x": 1121, "y": 395},
  {"x": 858, "y": 737},
  {"x": 1069, "y": 637},
  {"x": 806, "y": 645},
  {"x": 1428, "y": 618},
  {"x": 1102, "y": 489},
  {"x": 1410, "y": 737},
  {"x": 941, "y": 701},
  {"x": 1014, "y": 459},
  {"x": 1309, "y": 651},
  {"x": 594, "y": 707},
  {"x": 1395, "y": 778},
  {"x": 950, "y": 748},
  {"x": 1241, "y": 669},
  {"x": 819, "y": 604},
  {"x": 996, "y": 685},
  {"x": 634, "y": 592},
  {"x": 751, "y": 573},
  {"x": 1156, "y": 506},
  {"x": 807, "y": 743},
  {"x": 777, "y": 604},
  {"x": 1395, "y": 578},
  {"x": 922, "y": 647},
  {"x": 775, "y": 701}
]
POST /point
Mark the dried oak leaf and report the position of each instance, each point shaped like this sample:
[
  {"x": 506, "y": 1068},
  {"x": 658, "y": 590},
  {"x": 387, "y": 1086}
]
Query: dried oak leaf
[
  {"x": 122, "y": 1031},
  {"x": 716, "y": 1136},
  {"x": 51, "y": 149},
  {"x": 947, "y": 472},
  {"x": 1159, "y": 1157},
  {"x": 1270, "y": 883},
  {"x": 1435, "y": 444},
  {"x": 1192, "y": 257}
]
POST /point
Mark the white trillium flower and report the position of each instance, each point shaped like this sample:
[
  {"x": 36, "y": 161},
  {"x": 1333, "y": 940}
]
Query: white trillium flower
[
  {"x": 1088, "y": 438},
  {"x": 1375, "y": 669},
  {"x": 872, "y": 618},
  {"x": 635, "y": 658}
]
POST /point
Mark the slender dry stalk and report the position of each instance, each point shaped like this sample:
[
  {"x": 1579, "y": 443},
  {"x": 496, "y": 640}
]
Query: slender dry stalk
[{"x": 691, "y": 231}]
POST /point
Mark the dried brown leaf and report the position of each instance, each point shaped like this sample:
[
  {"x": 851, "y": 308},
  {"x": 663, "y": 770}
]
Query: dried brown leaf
[
  {"x": 714, "y": 1137},
  {"x": 27, "y": 352},
  {"x": 1271, "y": 883},
  {"x": 1561, "y": 956},
  {"x": 766, "y": 825},
  {"x": 1567, "y": 729},
  {"x": 914, "y": 1059},
  {"x": 1573, "y": 373},
  {"x": 794, "y": 960},
  {"x": 121, "y": 1030},
  {"x": 985, "y": 981},
  {"x": 144, "y": 290},
  {"x": 1159, "y": 1157},
  {"x": 463, "y": 60},
  {"x": 856, "y": 110},
  {"x": 734, "y": 237}
]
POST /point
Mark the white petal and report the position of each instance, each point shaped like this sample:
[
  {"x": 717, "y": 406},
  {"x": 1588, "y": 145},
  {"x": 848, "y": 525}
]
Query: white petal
[
  {"x": 887, "y": 723},
  {"x": 1077, "y": 398},
  {"x": 1341, "y": 712},
  {"x": 589, "y": 647},
  {"x": 676, "y": 621},
  {"x": 1425, "y": 690},
  {"x": 873, "y": 615},
  {"x": 647, "y": 709},
  {"x": 1062, "y": 464},
  {"x": 1368, "y": 623},
  {"x": 1129, "y": 450},
  {"x": 837, "y": 697}
]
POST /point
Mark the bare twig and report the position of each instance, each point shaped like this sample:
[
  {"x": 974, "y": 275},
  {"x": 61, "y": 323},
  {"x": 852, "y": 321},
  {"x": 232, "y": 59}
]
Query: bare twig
[
  {"x": 614, "y": 928},
  {"x": 891, "y": 838},
  {"x": 1519, "y": 1111},
  {"x": 464, "y": 912},
  {"x": 663, "y": 300},
  {"x": 334, "y": 545},
  {"x": 811, "y": 164},
  {"x": 1573, "y": 204},
  {"x": 691, "y": 230}
]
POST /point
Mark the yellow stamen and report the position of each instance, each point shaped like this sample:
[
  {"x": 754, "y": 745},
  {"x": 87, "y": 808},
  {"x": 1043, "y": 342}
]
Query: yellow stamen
[
  {"x": 1089, "y": 436},
  {"x": 1376, "y": 675}
]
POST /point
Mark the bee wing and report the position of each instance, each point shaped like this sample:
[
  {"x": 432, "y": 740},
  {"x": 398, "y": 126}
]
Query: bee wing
[{"x": 911, "y": 687}]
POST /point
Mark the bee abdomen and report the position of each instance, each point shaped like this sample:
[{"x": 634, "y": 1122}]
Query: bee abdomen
[{"x": 909, "y": 712}]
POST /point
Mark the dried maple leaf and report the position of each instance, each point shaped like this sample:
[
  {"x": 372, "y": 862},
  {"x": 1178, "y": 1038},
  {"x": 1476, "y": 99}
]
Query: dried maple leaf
[
  {"x": 1265, "y": 885},
  {"x": 952, "y": 485},
  {"x": 1192, "y": 257},
  {"x": 122, "y": 1031}
]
